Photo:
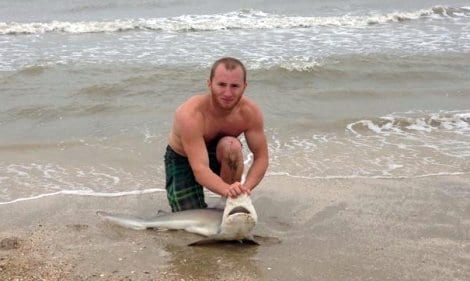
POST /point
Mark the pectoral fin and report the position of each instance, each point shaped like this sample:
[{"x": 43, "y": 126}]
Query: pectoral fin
[
  {"x": 204, "y": 242},
  {"x": 214, "y": 239},
  {"x": 250, "y": 241}
]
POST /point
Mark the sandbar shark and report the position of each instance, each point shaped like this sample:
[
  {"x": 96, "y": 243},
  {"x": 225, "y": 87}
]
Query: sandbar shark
[{"x": 233, "y": 223}]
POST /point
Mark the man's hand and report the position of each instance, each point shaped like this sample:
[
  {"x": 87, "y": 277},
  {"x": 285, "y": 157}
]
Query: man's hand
[{"x": 236, "y": 189}]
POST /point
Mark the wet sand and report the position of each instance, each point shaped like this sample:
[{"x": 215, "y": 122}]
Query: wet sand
[{"x": 337, "y": 229}]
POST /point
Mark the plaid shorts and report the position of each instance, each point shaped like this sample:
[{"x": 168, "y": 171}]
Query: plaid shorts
[{"x": 182, "y": 189}]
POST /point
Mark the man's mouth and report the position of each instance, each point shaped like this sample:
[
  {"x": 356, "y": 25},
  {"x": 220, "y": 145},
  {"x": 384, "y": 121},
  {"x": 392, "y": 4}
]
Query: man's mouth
[{"x": 227, "y": 100}]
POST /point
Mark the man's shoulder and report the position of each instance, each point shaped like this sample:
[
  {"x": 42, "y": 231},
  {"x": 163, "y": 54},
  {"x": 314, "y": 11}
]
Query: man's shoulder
[
  {"x": 195, "y": 100},
  {"x": 191, "y": 105},
  {"x": 249, "y": 107}
]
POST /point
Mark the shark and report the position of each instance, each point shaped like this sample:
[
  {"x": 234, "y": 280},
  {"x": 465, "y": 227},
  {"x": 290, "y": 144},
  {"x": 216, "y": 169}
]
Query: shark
[{"x": 234, "y": 222}]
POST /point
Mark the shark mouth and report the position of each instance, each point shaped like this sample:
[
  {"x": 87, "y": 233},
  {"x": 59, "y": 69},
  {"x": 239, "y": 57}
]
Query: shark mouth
[{"x": 238, "y": 210}]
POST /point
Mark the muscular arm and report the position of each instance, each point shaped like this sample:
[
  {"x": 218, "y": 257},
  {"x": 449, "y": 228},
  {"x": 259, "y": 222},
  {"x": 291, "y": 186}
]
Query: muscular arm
[
  {"x": 257, "y": 144},
  {"x": 191, "y": 128}
]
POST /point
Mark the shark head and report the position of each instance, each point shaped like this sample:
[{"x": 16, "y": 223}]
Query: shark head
[{"x": 239, "y": 218}]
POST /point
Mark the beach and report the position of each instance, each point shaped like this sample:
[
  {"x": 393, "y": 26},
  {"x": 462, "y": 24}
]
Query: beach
[
  {"x": 366, "y": 109},
  {"x": 360, "y": 229}
]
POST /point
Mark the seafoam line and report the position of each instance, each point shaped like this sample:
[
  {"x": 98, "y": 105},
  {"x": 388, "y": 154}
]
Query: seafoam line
[
  {"x": 85, "y": 193},
  {"x": 245, "y": 19},
  {"x": 363, "y": 177}
]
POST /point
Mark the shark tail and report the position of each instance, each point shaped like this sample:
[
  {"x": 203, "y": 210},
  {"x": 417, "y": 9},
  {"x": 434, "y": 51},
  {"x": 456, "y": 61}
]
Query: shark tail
[{"x": 123, "y": 220}]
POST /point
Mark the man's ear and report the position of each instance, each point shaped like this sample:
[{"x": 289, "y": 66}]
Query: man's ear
[{"x": 209, "y": 83}]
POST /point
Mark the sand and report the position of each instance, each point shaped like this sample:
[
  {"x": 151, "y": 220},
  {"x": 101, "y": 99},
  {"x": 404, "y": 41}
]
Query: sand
[{"x": 313, "y": 229}]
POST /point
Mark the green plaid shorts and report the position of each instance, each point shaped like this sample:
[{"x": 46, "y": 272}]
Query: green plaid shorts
[{"x": 183, "y": 191}]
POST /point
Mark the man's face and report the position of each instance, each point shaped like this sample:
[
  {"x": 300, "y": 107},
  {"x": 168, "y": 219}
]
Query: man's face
[{"x": 227, "y": 87}]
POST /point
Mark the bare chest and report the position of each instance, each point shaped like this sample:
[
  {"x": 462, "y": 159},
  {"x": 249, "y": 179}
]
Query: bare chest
[{"x": 215, "y": 128}]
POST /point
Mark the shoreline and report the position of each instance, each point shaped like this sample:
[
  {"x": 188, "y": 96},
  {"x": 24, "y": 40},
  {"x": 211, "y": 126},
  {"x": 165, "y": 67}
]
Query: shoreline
[
  {"x": 86, "y": 193},
  {"x": 320, "y": 229}
]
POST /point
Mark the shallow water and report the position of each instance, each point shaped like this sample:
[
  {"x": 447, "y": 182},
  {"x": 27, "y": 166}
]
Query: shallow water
[{"x": 348, "y": 90}]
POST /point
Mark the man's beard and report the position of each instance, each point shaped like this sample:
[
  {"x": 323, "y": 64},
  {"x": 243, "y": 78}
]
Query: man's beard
[{"x": 226, "y": 106}]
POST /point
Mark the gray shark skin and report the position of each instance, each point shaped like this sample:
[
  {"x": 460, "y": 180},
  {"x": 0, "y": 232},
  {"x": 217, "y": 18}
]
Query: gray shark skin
[{"x": 233, "y": 223}]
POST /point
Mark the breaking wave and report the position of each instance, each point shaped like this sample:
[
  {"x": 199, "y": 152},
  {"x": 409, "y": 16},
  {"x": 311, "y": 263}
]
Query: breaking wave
[
  {"x": 457, "y": 122},
  {"x": 245, "y": 19},
  {"x": 400, "y": 145}
]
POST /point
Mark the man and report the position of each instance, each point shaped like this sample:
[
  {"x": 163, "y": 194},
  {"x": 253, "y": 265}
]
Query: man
[{"x": 203, "y": 146}]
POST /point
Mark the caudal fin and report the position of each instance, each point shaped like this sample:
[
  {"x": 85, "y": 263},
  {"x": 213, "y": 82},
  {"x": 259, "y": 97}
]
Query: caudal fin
[{"x": 123, "y": 220}]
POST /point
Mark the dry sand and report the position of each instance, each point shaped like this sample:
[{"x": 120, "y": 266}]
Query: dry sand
[{"x": 338, "y": 229}]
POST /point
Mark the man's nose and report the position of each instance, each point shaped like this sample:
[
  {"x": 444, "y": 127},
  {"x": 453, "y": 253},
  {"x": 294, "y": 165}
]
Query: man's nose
[{"x": 227, "y": 90}]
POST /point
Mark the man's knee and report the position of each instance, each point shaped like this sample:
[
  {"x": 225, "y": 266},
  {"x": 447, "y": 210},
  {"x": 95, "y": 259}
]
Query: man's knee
[{"x": 229, "y": 148}]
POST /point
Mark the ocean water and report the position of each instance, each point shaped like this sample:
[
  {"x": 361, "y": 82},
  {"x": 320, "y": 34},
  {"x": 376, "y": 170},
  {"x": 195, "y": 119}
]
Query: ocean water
[{"x": 349, "y": 89}]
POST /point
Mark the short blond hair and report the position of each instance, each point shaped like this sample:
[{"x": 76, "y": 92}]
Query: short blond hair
[{"x": 230, "y": 64}]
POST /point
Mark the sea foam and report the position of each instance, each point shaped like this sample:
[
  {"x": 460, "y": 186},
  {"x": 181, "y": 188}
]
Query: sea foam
[{"x": 245, "y": 19}]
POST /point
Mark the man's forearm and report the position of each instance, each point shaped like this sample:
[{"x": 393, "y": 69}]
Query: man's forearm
[
  {"x": 256, "y": 173},
  {"x": 211, "y": 181}
]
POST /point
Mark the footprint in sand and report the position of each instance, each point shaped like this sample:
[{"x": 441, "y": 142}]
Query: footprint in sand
[{"x": 10, "y": 243}]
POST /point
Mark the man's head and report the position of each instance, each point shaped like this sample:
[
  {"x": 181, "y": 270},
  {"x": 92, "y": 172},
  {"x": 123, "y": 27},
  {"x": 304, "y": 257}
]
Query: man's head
[
  {"x": 227, "y": 83},
  {"x": 229, "y": 64}
]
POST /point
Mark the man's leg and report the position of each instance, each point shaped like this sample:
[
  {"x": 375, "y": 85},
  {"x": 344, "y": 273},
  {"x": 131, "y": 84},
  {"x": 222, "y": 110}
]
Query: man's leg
[
  {"x": 229, "y": 155},
  {"x": 183, "y": 192}
]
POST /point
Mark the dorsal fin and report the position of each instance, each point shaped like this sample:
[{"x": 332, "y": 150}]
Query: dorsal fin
[{"x": 161, "y": 212}]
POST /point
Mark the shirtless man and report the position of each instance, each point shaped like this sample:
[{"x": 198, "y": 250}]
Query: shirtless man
[{"x": 203, "y": 146}]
